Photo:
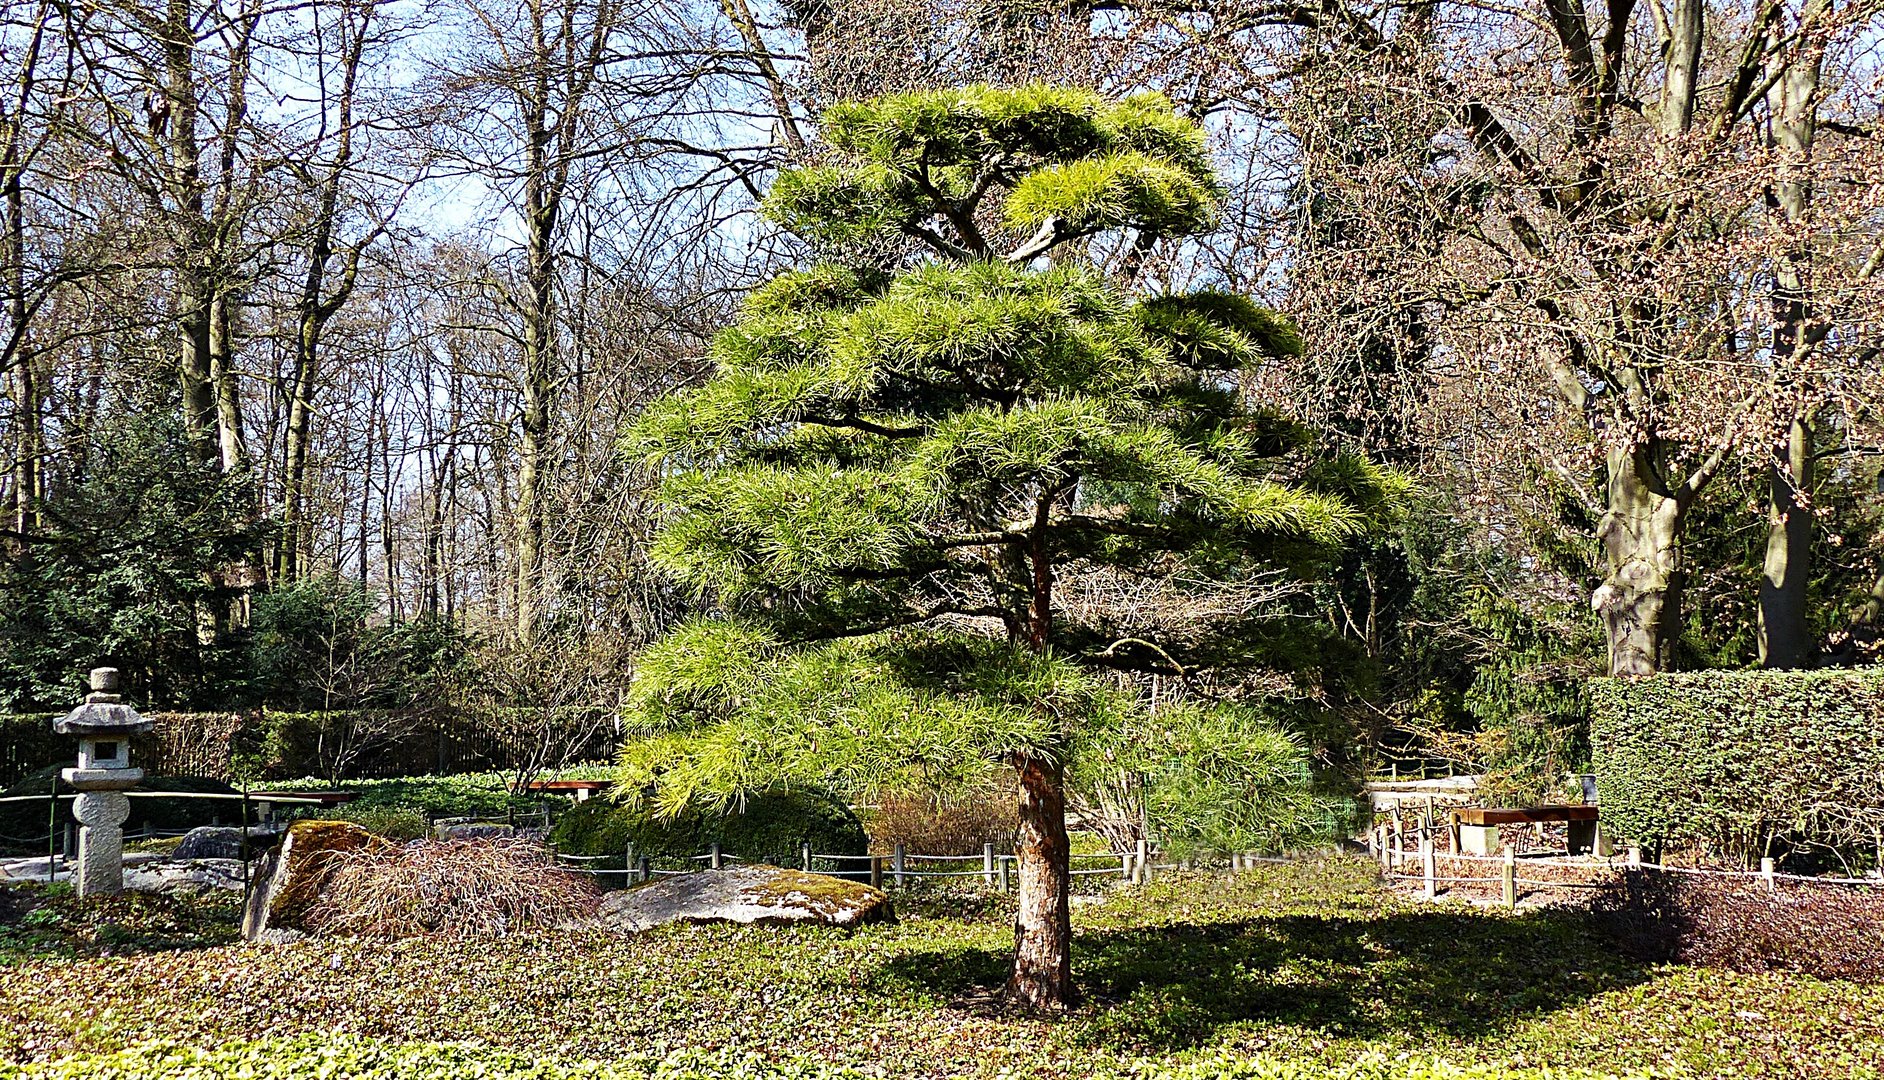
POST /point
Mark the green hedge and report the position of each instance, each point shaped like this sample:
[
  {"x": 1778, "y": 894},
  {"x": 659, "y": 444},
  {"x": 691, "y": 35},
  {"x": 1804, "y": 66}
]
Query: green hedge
[
  {"x": 1734, "y": 760},
  {"x": 769, "y": 829}
]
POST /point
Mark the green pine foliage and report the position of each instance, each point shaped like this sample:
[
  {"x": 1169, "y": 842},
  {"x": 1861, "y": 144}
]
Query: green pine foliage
[
  {"x": 891, "y": 471},
  {"x": 766, "y": 828}
]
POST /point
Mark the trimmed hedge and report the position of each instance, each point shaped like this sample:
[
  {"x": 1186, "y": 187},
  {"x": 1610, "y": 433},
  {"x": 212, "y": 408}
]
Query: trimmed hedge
[
  {"x": 769, "y": 829},
  {"x": 1735, "y": 761}
]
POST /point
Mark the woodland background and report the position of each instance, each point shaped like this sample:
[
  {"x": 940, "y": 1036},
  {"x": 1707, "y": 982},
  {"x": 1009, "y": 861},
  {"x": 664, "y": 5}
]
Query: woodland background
[{"x": 322, "y": 322}]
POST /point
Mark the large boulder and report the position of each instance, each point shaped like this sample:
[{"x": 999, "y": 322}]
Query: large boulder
[
  {"x": 196, "y": 875},
  {"x": 292, "y": 877},
  {"x": 747, "y": 894},
  {"x": 225, "y": 842}
]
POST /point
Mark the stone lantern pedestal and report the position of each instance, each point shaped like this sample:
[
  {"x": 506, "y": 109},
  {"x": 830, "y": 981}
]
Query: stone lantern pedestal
[{"x": 104, "y": 725}]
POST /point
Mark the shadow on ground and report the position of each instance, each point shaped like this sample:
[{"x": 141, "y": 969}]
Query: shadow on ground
[
  {"x": 1365, "y": 976},
  {"x": 41, "y": 921}
]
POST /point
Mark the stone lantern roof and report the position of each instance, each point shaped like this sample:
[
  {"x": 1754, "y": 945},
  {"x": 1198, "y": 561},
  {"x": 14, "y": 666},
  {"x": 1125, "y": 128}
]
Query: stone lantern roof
[{"x": 104, "y": 712}]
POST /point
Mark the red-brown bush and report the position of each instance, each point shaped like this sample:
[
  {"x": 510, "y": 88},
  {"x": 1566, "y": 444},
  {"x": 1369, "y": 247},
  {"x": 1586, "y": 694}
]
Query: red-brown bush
[
  {"x": 1828, "y": 931},
  {"x": 452, "y": 888},
  {"x": 956, "y": 825}
]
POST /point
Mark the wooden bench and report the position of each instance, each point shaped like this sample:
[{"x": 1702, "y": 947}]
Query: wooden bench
[
  {"x": 1477, "y": 827},
  {"x": 579, "y": 790}
]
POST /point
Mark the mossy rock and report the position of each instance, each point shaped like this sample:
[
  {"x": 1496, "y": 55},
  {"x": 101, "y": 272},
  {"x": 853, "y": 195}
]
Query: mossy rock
[
  {"x": 749, "y": 895},
  {"x": 294, "y": 875}
]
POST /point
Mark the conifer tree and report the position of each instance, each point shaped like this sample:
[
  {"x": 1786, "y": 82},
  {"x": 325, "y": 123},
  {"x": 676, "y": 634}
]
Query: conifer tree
[{"x": 890, "y": 470}]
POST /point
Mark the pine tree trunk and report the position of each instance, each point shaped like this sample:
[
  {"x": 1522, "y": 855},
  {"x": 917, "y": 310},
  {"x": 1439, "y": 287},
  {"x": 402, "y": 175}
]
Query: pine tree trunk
[
  {"x": 1043, "y": 932},
  {"x": 1639, "y": 600},
  {"x": 1785, "y": 630}
]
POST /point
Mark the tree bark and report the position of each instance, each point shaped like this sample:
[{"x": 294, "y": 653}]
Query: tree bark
[
  {"x": 1785, "y": 630},
  {"x": 1042, "y": 975},
  {"x": 194, "y": 289},
  {"x": 315, "y": 308},
  {"x": 1639, "y": 599}
]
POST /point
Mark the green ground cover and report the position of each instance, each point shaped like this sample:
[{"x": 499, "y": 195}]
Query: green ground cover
[{"x": 1302, "y": 972}]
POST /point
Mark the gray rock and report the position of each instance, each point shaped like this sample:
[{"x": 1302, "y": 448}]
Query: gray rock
[
  {"x": 747, "y": 894},
  {"x": 32, "y": 868},
  {"x": 278, "y": 936},
  {"x": 197, "y": 875},
  {"x": 225, "y": 842},
  {"x": 142, "y": 872}
]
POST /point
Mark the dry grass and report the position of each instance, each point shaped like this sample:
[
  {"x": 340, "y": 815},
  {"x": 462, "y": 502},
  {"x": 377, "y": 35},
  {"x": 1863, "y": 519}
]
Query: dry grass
[
  {"x": 958, "y": 825},
  {"x": 452, "y": 888}
]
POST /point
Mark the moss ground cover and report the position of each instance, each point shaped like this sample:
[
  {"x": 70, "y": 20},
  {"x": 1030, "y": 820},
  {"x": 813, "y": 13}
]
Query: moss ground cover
[{"x": 1306, "y": 972}]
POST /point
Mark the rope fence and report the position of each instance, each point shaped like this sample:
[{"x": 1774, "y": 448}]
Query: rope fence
[
  {"x": 902, "y": 868},
  {"x": 1394, "y": 855}
]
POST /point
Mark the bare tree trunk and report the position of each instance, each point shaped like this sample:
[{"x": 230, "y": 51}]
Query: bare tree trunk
[
  {"x": 17, "y": 360},
  {"x": 315, "y": 306},
  {"x": 1785, "y": 629},
  {"x": 1042, "y": 976},
  {"x": 1639, "y": 599},
  {"x": 231, "y": 444},
  {"x": 24, "y": 384}
]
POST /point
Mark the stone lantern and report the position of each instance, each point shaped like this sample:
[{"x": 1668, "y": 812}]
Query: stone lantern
[{"x": 104, "y": 725}]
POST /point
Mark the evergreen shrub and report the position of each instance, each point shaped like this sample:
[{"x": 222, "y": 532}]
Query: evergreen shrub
[
  {"x": 1742, "y": 763},
  {"x": 769, "y": 828}
]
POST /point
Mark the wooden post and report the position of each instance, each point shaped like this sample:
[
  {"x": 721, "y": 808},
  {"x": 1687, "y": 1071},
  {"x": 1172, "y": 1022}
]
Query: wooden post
[
  {"x": 1511, "y": 877},
  {"x": 52, "y": 832},
  {"x": 876, "y": 871},
  {"x": 896, "y": 864},
  {"x": 1142, "y": 861},
  {"x": 1766, "y": 871},
  {"x": 643, "y": 870},
  {"x": 804, "y": 853},
  {"x": 1452, "y": 832},
  {"x": 1429, "y": 866},
  {"x": 629, "y": 863},
  {"x": 1004, "y": 859},
  {"x": 1381, "y": 845},
  {"x": 1125, "y": 866},
  {"x": 987, "y": 865},
  {"x": 244, "y": 845},
  {"x": 713, "y": 856},
  {"x": 1399, "y": 840},
  {"x": 1635, "y": 857}
]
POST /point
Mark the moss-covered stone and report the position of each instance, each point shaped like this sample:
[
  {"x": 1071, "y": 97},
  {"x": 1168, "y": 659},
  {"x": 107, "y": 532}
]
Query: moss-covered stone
[
  {"x": 293, "y": 876},
  {"x": 748, "y": 894}
]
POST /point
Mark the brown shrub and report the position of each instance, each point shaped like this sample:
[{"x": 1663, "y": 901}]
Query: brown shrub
[
  {"x": 453, "y": 888},
  {"x": 960, "y": 824},
  {"x": 1828, "y": 931}
]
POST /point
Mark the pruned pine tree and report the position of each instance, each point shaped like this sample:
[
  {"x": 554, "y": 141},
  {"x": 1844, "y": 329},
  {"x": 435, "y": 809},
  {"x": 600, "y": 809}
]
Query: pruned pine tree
[{"x": 888, "y": 472}]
